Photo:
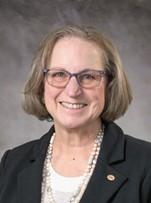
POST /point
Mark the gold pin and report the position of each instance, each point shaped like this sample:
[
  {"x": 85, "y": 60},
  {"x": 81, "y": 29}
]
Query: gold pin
[{"x": 111, "y": 177}]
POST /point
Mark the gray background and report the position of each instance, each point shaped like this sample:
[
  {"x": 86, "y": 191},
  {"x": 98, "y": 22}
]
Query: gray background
[{"x": 23, "y": 23}]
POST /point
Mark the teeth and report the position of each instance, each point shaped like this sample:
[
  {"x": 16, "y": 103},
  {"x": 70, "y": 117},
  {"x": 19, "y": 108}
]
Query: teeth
[{"x": 72, "y": 106}]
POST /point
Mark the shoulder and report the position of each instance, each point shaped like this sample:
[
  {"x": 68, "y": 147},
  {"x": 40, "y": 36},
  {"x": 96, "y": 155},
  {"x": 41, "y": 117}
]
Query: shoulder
[
  {"x": 137, "y": 144},
  {"x": 131, "y": 148},
  {"x": 130, "y": 141},
  {"x": 138, "y": 150},
  {"x": 16, "y": 156},
  {"x": 23, "y": 149},
  {"x": 21, "y": 155},
  {"x": 130, "y": 157},
  {"x": 138, "y": 162}
]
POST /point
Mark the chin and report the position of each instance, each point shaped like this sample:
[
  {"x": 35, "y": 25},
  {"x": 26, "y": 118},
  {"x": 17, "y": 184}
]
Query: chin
[
  {"x": 71, "y": 125},
  {"x": 74, "y": 124}
]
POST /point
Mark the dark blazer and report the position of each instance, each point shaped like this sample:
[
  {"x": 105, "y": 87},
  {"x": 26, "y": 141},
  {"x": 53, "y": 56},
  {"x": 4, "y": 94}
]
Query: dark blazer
[{"x": 125, "y": 158}]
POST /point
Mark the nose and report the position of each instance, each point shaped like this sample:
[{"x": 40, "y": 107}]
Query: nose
[{"x": 73, "y": 88}]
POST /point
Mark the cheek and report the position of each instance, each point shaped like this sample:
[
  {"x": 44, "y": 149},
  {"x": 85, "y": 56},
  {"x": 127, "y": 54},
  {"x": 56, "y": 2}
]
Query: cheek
[
  {"x": 99, "y": 95},
  {"x": 49, "y": 94},
  {"x": 98, "y": 100}
]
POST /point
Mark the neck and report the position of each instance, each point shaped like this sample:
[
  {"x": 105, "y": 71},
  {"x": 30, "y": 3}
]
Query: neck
[{"x": 78, "y": 137}]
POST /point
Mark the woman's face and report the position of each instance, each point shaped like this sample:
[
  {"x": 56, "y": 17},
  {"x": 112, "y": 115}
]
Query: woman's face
[{"x": 74, "y": 106}]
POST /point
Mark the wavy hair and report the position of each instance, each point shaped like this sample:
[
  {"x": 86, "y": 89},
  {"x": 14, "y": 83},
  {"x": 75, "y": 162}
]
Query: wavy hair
[{"x": 118, "y": 93}]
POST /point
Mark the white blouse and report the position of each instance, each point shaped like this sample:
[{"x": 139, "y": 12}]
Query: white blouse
[{"x": 62, "y": 187}]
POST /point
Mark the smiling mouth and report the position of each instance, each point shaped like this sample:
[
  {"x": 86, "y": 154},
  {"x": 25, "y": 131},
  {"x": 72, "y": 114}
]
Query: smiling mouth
[{"x": 73, "y": 105}]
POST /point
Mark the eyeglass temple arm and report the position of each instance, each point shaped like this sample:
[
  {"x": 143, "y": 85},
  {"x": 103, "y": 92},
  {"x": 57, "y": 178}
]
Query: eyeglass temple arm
[{"x": 45, "y": 70}]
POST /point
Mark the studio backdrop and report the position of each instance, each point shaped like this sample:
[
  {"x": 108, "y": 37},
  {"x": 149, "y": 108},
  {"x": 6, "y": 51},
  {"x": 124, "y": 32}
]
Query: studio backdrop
[{"x": 24, "y": 23}]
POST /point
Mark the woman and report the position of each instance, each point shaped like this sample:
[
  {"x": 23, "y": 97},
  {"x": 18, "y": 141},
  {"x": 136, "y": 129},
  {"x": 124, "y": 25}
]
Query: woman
[{"x": 77, "y": 80}]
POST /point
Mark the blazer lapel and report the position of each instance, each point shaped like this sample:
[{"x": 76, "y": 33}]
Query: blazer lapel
[
  {"x": 106, "y": 180},
  {"x": 104, "y": 183},
  {"x": 30, "y": 177},
  {"x": 29, "y": 183}
]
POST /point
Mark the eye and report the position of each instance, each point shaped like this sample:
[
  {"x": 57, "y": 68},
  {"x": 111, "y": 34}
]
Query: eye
[
  {"x": 88, "y": 76},
  {"x": 58, "y": 74},
  {"x": 57, "y": 77}
]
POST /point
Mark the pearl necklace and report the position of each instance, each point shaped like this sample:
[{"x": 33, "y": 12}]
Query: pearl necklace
[{"x": 46, "y": 182}]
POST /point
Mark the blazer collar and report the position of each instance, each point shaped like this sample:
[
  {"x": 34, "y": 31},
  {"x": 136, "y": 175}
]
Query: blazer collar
[
  {"x": 30, "y": 178},
  {"x": 99, "y": 189},
  {"x": 113, "y": 144}
]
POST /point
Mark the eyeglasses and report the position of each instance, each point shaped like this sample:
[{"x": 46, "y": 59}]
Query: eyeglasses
[{"x": 86, "y": 78}]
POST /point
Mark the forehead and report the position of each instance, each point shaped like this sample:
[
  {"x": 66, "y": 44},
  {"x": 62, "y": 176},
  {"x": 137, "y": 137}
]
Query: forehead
[
  {"x": 76, "y": 42},
  {"x": 76, "y": 51}
]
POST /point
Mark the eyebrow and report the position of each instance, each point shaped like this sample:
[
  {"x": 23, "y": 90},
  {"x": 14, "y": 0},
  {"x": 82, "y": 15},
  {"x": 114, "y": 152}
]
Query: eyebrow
[{"x": 84, "y": 70}]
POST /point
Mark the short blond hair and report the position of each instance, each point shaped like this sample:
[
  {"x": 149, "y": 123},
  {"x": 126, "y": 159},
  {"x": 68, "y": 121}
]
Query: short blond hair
[{"x": 118, "y": 93}]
